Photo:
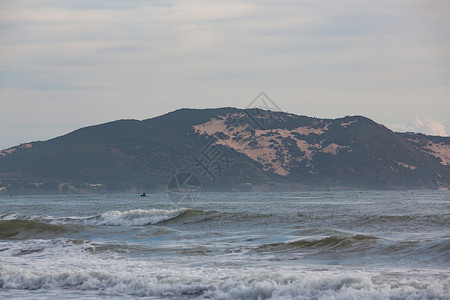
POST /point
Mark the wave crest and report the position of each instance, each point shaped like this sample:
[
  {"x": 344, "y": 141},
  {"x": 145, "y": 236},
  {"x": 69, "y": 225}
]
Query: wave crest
[
  {"x": 326, "y": 243},
  {"x": 137, "y": 217},
  {"x": 22, "y": 229}
]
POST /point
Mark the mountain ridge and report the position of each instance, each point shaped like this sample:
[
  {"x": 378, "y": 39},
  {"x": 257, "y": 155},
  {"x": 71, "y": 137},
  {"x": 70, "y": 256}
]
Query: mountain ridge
[{"x": 258, "y": 148}]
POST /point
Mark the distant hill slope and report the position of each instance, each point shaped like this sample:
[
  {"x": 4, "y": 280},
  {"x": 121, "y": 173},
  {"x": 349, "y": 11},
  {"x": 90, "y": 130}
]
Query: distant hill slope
[
  {"x": 434, "y": 146},
  {"x": 228, "y": 148}
]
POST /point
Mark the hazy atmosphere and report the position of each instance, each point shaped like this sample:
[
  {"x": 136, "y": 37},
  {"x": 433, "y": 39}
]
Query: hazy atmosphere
[
  {"x": 69, "y": 64},
  {"x": 243, "y": 149}
]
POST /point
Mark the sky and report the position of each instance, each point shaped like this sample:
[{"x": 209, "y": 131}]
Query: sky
[{"x": 74, "y": 63}]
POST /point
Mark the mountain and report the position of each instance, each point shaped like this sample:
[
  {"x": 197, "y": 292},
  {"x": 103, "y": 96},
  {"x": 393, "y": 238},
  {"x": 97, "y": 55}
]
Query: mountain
[{"x": 228, "y": 149}]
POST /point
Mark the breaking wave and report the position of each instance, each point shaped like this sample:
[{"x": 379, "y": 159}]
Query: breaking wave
[
  {"x": 207, "y": 283},
  {"x": 63, "y": 264},
  {"x": 136, "y": 217},
  {"x": 431, "y": 251}
]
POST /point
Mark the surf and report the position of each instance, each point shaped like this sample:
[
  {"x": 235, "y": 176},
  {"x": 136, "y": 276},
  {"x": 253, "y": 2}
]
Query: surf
[{"x": 23, "y": 229}]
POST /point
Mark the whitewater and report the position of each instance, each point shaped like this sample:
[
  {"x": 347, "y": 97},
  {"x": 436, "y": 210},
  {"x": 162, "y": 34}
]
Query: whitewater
[{"x": 290, "y": 245}]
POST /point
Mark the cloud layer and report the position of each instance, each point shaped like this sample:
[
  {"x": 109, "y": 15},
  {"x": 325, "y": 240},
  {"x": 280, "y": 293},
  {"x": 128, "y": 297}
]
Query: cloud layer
[
  {"x": 67, "y": 64},
  {"x": 427, "y": 126}
]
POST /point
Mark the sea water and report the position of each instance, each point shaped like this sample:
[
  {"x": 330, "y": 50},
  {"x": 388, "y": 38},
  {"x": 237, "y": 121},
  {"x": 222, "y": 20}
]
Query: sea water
[{"x": 293, "y": 245}]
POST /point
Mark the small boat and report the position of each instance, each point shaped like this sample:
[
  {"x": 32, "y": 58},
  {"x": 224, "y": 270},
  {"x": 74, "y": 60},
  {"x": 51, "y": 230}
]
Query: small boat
[{"x": 143, "y": 195}]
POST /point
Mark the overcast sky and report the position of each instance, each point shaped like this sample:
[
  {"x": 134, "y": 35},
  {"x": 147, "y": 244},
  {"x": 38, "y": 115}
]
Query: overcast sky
[{"x": 69, "y": 64}]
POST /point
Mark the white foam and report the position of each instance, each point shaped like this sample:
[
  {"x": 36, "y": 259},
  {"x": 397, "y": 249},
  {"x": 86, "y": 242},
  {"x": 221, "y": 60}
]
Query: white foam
[
  {"x": 221, "y": 284},
  {"x": 63, "y": 264},
  {"x": 137, "y": 217},
  {"x": 43, "y": 249},
  {"x": 10, "y": 217}
]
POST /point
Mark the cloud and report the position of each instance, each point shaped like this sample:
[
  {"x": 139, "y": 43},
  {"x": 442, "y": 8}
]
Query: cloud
[
  {"x": 325, "y": 58},
  {"x": 418, "y": 123},
  {"x": 432, "y": 127},
  {"x": 401, "y": 127},
  {"x": 427, "y": 126}
]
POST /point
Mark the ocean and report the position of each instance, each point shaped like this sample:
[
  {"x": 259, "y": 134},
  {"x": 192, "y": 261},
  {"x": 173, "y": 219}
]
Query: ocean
[{"x": 289, "y": 245}]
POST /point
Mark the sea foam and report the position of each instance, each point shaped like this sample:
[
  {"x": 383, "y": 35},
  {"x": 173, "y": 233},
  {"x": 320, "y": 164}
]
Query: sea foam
[
  {"x": 156, "y": 279},
  {"x": 67, "y": 264},
  {"x": 136, "y": 217}
]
